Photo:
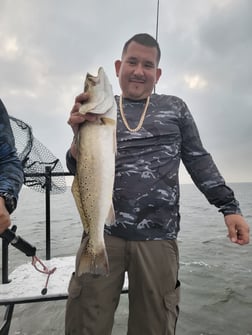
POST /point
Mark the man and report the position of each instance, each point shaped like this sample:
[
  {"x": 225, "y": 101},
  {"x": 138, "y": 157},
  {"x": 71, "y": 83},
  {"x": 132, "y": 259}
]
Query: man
[
  {"x": 154, "y": 132},
  {"x": 11, "y": 172}
]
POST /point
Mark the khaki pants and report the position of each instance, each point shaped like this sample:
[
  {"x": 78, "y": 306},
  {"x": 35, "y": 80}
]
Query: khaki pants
[{"x": 153, "y": 290}]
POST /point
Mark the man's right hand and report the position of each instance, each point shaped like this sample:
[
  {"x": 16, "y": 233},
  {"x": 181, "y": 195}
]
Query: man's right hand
[{"x": 76, "y": 118}]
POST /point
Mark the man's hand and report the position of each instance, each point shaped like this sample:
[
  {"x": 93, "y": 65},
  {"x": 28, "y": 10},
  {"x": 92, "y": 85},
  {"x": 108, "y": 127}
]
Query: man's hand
[
  {"x": 76, "y": 119},
  {"x": 238, "y": 229},
  {"x": 4, "y": 216}
]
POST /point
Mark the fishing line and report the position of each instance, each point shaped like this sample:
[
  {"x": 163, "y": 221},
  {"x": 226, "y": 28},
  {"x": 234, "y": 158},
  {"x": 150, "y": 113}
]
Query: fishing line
[
  {"x": 44, "y": 269},
  {"x": 29, "y": 250},
  {"x": 157, "y": 24}
]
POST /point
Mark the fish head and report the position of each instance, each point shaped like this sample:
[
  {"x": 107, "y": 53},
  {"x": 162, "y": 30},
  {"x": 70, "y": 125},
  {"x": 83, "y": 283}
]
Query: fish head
[
  {"x": 92, "y": 83},
  {"x": 101, "y": 97}
]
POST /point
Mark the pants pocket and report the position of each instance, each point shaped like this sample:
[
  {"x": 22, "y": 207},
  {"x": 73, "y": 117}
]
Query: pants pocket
[
  {"x": 74, "y": 287},
  {"x": 171, "y": 303}
]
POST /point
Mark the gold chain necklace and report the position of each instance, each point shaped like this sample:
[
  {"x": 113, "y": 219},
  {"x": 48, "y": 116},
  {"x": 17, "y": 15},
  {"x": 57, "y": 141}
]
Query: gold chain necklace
[{"x": 133, "y": 130}]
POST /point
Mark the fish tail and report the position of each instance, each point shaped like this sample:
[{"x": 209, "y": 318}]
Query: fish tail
[{"x": 96, "y": 264}]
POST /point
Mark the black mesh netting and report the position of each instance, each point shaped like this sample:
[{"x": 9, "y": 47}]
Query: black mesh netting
[{"x": 35, "y": 157}]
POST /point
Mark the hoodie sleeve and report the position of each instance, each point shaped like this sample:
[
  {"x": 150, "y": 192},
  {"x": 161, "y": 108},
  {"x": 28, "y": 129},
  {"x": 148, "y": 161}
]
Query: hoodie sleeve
[
  {"x": 203, "y": 169},
  {"x": 11, "y": 171},
  {"x": 70, "y": 162}
]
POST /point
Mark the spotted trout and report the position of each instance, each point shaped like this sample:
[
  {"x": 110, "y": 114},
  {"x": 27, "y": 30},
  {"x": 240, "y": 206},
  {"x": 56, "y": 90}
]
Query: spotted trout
[{"x": 93, "y": 182}]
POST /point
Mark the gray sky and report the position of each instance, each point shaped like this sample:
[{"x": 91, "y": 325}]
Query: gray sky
[{"x": 47, "y": 46}]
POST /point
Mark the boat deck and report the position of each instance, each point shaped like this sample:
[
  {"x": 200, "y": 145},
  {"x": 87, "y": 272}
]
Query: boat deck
[{"x": 26, "y": 284}]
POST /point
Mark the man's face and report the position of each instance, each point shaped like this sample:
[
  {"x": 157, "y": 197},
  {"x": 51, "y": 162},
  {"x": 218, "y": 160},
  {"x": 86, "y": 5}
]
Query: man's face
[{"x": 137, "y": 71}]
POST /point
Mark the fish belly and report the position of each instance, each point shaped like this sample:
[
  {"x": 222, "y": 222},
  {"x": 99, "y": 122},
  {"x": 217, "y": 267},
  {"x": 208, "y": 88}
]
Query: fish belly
[{"x": 93, "y": 192}]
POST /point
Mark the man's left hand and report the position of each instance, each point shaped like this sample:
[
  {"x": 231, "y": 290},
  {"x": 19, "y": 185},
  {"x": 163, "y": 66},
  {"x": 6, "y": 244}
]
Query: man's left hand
[{"x": 238, "y": 229}]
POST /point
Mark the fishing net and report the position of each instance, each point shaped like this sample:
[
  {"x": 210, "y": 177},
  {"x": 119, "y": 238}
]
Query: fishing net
[{"x": 35, "y": 158}]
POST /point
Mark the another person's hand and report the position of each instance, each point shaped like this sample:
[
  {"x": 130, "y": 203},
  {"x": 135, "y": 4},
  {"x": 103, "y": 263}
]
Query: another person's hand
[
  {"x": 4, "y": 216},
  {"x": 238, "y": 229}
]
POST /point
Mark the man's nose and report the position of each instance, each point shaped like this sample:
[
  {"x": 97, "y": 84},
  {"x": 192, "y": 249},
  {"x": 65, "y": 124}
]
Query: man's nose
[{"x": 138, "y": 70}]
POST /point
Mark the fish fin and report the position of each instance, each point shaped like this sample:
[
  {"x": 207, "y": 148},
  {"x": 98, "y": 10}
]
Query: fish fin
[
  {"x": 107, "y": 120},
  {"x": 77, "y": 198},
  {"x": 111, "y": 216},
  {"x": 111, "y": 122},
  {"x": 95, "y": 264}
]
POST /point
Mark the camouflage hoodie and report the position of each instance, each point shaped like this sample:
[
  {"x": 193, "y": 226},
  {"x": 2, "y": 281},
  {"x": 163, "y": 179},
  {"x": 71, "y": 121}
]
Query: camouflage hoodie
[{"x": 146, "y": 190}]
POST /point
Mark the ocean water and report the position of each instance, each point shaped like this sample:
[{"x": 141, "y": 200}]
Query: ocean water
[{"x": 216, "y": 275}]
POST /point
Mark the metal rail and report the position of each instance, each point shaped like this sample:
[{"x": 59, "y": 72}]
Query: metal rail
[{"x": 48, "y": 174}]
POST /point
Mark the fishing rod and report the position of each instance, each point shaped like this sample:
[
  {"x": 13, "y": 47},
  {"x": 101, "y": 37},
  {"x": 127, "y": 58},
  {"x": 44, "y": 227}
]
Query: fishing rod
[
  {"x": 157, "y": 21},
  {"x": 157, "y": 24},
  {"x": 18, "y": 242},
  {"x": 29, "y": 250}
]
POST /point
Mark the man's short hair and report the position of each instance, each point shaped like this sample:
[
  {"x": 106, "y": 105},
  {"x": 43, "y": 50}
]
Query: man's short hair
[{"x": 146, "y": 40}]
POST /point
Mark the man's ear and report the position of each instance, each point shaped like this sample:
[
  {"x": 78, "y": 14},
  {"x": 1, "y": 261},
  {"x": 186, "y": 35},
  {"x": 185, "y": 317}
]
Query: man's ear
[
  {"x": 158, "y": 74},
  {"x": 117, "y": 66}
]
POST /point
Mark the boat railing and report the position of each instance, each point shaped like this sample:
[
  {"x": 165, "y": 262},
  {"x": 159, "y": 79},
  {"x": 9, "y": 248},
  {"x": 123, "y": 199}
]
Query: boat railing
[
  {"x": 10, "y": 289},
  {"x": 48, "y": 175}
]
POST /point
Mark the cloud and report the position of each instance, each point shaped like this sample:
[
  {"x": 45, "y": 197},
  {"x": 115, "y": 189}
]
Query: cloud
[
  {"x": 48, "y": 46},
  {"x": 195, "y": 81}
]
